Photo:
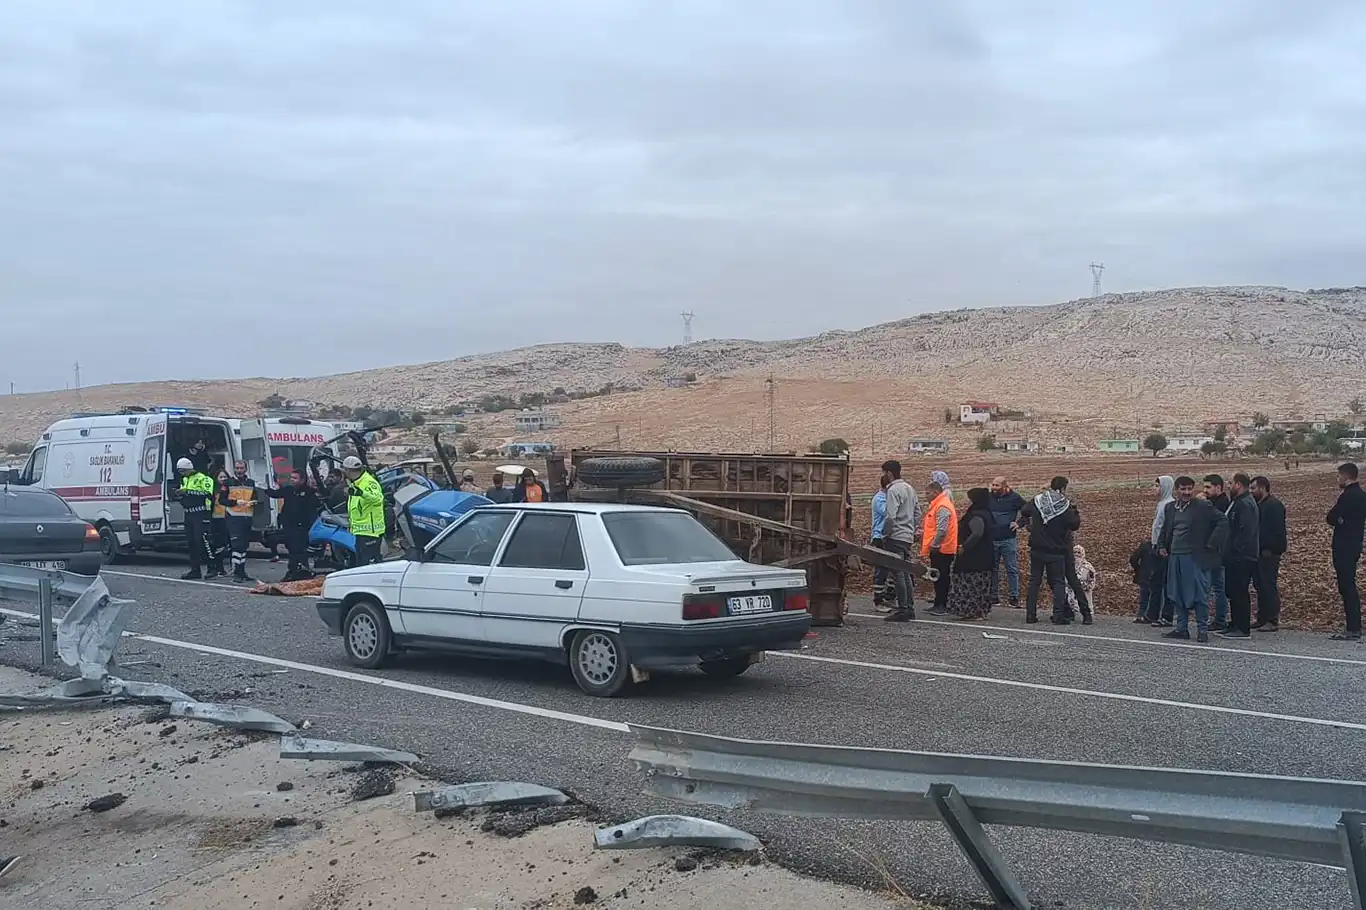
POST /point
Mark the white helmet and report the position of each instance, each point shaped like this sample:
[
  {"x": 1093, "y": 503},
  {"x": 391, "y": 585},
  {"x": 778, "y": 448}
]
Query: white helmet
[
  {"x": 184, "y": 464},
  {"x": 352, "y": 463}
]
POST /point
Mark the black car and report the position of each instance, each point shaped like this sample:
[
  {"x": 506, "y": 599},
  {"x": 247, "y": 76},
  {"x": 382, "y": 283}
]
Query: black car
[{"x": 38, "y": 528}]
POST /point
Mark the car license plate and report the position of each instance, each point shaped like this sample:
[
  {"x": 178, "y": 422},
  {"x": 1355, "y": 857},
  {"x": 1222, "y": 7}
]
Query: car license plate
[
  {"x": 44, "y": 563},
  {"x": 754, "y": 603}
]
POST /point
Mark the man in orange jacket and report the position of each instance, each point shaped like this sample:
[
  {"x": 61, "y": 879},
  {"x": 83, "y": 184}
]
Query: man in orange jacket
[{"x": 939, "y": 538}]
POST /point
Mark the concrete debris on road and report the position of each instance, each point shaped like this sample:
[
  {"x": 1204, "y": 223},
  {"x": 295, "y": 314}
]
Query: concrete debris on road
[
  {"x": 674, "y": 830},
  {"x": 73, "y": 691},
  {"x": 239, "y": 716},
  {"x": 374, "y": 783},
  {"x": 105, "y": 803},
  {"x": 487, "y": 793},
  {"x": 327, "y": 750}
]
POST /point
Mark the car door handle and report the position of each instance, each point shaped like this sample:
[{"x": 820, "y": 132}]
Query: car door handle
[
  {"x": 475, "y": 579},
  {"x": 564, "y": 584}
]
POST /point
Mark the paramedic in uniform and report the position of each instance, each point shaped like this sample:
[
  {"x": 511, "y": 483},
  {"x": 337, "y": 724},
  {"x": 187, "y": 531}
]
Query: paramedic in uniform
[
  {"x": 195, "y": 496},
  {"x": 241, "y": 506},
  {"x": 364, "y": 510}
]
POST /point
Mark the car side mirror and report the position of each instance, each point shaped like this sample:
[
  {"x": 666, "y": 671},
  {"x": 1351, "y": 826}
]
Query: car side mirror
[{"x": 414, "y": 554}]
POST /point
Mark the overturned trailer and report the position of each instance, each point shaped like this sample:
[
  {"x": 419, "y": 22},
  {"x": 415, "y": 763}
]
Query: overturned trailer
[{"x": 784, "y": 510}]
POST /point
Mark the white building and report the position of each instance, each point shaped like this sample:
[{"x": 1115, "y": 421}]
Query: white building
[
  {"x": 927, "y": 446},
  {"x": 1187, "y": 442},
  {"x": 977, "y": 411},
  {"x": 1018, "y": 444},
  {"x": 534, "y": 421}
]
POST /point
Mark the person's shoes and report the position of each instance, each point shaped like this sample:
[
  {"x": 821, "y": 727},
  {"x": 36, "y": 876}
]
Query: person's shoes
[
  {"x": 213, "y": 574},
  {"x": 191, "y": 576},
  {"x": 1015, "y": 602},
  {"x": 938, "y": 611},
  {"x": 238, "y": 579},
  {"x": 7, "y": 864},
  {"x": 1031, "y": 620},
  {"x": 1060, "y": 621},
  {"x": 1234, "y": 633},
  {"x": 1203, "y": 638},
  {"x": 1087, "y": 620},
  {"x": 1218, "y": 626},
  {"x": 1266, "y": 627},
  {"x": 1161, "y": 624},
  {"x": 1142, "y": 620},
  {"x": 275, "y": 559},
  {"x": 898, "y": 616},
  {"x": 1346, "y": 636},
  {"x": 884, "y": 609},
  {"x": 1177, "y": 633}
]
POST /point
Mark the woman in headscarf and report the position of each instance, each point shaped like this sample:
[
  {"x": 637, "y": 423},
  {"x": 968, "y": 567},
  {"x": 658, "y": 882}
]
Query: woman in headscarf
[
  {"x": 1157, "y": 614},
  {"x": 1086, "y": 573},
  {"x": 970, "y": 593}
]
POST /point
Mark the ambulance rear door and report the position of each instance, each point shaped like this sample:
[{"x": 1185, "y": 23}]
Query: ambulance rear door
[
  {"x": 255, "y": 449},
  {"x": 153, "y": 470}
]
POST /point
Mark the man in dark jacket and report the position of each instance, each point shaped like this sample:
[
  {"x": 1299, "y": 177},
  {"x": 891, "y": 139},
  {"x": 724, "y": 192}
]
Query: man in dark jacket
[
  {"x": 1347, "y": 518},
  {"x": 1193, "y": 534},
  {"x": 1240, "y": 556},
  {"x": 1051, "y": 518},
  {"x": 1005, "y": 508},
  {"x": 1215, "y": 495},
  {"x": 297, "y": 512},
  {"x": 1272, "y": 539}
]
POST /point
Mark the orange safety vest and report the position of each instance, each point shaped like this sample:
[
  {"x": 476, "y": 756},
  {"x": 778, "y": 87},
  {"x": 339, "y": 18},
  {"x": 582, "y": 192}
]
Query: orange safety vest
[{"x": 949, "y": 546}]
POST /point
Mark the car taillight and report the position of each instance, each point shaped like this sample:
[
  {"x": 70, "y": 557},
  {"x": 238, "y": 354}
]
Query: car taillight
[
  {"x": 91, "y": 535},
  {"x": 797, "y": 600},
  {"x": 703, "y": 607}
]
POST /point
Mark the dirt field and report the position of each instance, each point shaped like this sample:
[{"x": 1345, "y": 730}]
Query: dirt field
[{"x": 1116, "y": 499}]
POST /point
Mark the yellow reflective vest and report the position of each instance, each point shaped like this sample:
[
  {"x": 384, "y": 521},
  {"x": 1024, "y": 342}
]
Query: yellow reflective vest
[
  {"x": 196, "y": 491},
  {"x": 365, "y": 506}
]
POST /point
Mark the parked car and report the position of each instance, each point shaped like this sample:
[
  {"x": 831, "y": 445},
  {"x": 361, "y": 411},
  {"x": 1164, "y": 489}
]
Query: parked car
[
  {"x": 39, "y": 529},
  {"x": 616, "y": 591}
]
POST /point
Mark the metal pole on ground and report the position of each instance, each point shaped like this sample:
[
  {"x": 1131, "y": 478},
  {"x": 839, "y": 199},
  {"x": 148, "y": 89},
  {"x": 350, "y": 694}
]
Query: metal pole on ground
[{"x": 46, "y": 634}]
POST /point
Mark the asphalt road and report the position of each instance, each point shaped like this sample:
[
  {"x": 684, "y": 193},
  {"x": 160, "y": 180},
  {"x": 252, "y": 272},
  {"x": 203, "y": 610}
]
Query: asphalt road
[{"x": 1282, "y": 704}]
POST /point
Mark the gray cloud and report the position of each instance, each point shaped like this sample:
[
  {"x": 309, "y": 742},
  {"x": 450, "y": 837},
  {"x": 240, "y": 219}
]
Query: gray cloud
[{"x": 369, "y": 183}]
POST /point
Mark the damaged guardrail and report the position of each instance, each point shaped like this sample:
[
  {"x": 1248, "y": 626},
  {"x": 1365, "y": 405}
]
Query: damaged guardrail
[
  {"x": 1288, "y": 818},
  {"x": 93, "y": 623}
]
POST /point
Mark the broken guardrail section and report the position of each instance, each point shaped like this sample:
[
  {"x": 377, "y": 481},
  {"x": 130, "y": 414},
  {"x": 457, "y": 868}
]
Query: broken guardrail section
[
  {"x": 674, "y": 831},
  {"x": 499, "y": 794},
  {"x": 326, "y": 750}
]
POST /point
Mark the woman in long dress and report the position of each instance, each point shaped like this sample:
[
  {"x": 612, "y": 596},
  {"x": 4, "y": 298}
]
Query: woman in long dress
[{"x": 970, "y": 591}]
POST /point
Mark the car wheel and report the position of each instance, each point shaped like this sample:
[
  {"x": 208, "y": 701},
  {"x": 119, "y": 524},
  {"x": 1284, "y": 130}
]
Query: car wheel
[
  {"x": 109, "y": 545},
  {"x": 366, "y": 636},
  {"x": 627, "y": 471},
  {"x": 727, "y": 668},
  {"x": 600, "y": 664}
]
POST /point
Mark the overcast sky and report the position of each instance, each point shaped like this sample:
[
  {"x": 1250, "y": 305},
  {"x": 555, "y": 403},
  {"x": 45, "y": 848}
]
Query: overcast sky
[{"x": 229, "y": 188}]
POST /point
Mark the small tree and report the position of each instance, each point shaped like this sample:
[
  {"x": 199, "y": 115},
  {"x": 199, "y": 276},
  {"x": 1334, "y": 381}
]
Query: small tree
[
  {"x": 362, "y": 413},
  {"x": 16, "y": 448},
  {"x": 469, "y": 445},
  {"x": 1221, "y": 434},
  {"x": 273, "y": 400},
  {"x": 1355, "y": 406},
  {"x": 687, "y": 377},
  {"x": 948, "y": 415},
  {"x": 419, "y": 418},
  {"x": 986, "y": 443},
  {"x": 1155, "y": 442},
  {"x": 1219, "y": 449},
  {"x": 489, "y": 453},
  {"x": 835, "y": 446},
  {"x": 1267, "y": 442},
  {"x": 1260, "y": 420},
  {"x": 1206, "y": 449}
]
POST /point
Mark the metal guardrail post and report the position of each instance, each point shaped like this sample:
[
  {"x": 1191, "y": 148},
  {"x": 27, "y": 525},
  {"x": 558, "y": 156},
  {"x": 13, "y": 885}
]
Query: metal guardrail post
[
  {"x": 986, "y": 860},
  {"x": 1352, "y": 834},
  {"x": 46, "y": 634}
]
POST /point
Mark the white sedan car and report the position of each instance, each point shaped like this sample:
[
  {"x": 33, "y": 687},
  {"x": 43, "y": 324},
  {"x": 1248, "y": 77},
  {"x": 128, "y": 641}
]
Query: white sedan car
[{"x": 615, "y": 590}]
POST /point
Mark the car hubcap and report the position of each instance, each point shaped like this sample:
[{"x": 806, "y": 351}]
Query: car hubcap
[
  {"x": 363, "y": 636},
  {"x": 598, "y": 659}
]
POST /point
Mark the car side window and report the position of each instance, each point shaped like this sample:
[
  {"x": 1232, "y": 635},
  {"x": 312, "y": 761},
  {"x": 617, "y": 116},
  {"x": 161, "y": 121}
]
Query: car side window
[
  {"x": 474, "y": 541},
  {"x": 544, "y": 541},
  {"x": 36, "y": 463}
]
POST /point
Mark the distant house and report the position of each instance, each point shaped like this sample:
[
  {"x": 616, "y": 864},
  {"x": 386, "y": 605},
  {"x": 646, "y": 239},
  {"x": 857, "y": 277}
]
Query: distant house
[
  {"x": 1289, "y": 424},
  {"x": 1018, "y": 444},
  {"x": 524, "y": 449},
  {"x": 1063, "y": 448},
  {"x": 1119, "y": 446},
  {"x": 927, "y": 446},
  {"x": 1187, "y": 442},
  {"x": 347, "y": 426},
  {"x": 977, "y": 411},
  {"x": 1230, "y": 427},
  {"x": 534, "y": 421}
]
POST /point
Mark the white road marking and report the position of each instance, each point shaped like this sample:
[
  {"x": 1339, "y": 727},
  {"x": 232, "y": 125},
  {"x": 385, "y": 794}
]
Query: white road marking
[
  {"x": 448, "y": 694},
  {"x": 617, "y": 726},
  {"x": 1230, "y": 649},
  {"x": 1068, "y": 690}
]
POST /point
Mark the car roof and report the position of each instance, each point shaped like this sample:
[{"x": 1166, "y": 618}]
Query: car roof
[
  {"x": 17, "y": 490},
  {"x": 586, "y": 508}
]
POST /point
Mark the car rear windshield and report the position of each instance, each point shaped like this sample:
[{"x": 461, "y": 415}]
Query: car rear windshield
[
  {"x": 660, "y": 538},
  {"x": 32, "y": 504}
]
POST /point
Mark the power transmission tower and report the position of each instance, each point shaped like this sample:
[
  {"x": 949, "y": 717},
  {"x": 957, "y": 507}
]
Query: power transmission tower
[
  {"x": 1096, "y": 269},
  {"x": 78, "y": 374},
  {"x": 772, "y": 392},
  {"x": 687, "y": 325}
]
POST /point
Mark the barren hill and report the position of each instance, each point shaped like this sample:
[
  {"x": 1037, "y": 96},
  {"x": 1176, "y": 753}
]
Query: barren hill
[{"x": 1124, "y": 360}]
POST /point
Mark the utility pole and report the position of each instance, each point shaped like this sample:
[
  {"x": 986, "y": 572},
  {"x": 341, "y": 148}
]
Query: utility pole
[
  {"x": 772, "y": 389},
  {"x": 1096, "y": 269},
  {"x": 687, "y": 325},
  {"x": 618, "y": 437}
]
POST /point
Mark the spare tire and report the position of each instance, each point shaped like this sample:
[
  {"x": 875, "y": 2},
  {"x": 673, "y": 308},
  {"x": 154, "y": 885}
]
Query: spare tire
[{"x": 628, "y": 471}]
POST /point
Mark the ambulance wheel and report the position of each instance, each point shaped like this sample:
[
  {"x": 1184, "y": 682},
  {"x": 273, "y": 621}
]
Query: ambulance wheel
[{"x": 110, "y": 551}]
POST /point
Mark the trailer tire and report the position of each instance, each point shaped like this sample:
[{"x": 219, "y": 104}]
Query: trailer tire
[{"x": 626, "y": 471}]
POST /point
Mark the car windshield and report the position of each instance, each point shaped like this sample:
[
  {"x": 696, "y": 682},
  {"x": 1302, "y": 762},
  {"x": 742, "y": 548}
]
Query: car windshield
[
  {"x": 660, "y": 538},
  {"x": 30, "y": 504}
]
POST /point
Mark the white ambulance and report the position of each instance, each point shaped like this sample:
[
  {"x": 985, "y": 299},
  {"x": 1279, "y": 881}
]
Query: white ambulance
[
  {"x": 117, "y": 471},
  {"x": 273, "y": 447}
]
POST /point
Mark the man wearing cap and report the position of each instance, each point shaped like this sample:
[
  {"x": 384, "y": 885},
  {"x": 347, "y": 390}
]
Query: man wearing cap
[
  {"x": 195, "y": 496},
  {"x": 364, "y": 509},
  {"x": 467, "y": 484}
]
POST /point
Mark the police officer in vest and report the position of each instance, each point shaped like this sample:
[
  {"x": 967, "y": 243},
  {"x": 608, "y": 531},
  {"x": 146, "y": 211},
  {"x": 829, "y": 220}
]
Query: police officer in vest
[
  {"x": 196, "y": 497},
  {"x": 364, "y": 509}
]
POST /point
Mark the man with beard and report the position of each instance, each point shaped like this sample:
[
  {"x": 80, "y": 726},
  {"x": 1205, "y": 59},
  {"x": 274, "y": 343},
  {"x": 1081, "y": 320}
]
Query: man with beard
[
  {"x": 1347, "y": 519},
  {"x": 1193, "y": 533},
  {"x": 1272, "y": 538}
]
